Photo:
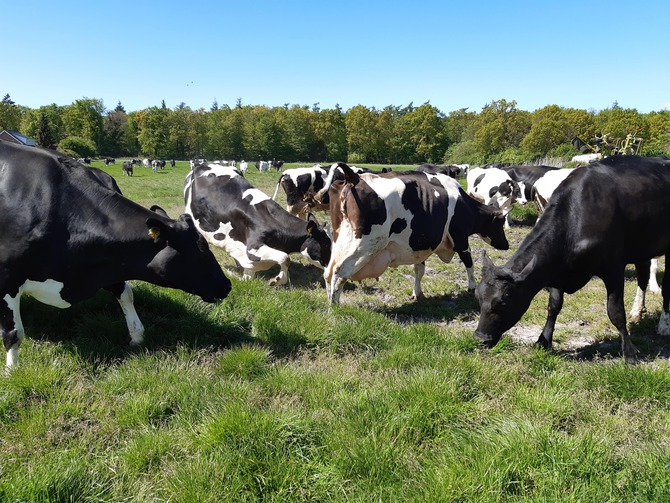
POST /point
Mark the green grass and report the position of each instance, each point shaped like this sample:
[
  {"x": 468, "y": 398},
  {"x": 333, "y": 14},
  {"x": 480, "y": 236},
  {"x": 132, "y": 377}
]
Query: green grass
[{"x": 272, "y": 396}]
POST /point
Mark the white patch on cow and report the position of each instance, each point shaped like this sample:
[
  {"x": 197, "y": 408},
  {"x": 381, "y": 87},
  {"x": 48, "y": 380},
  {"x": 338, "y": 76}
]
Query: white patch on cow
[
  {"x": 653, "y": 282},
  {"x": 664, "y": 324},
  {"x": 135, "y": 327},
  {"x": 257, "y": 196},
  {"x": 545, "y": 186},
  {"x": 47, "y": 292},
  {"x": 638, "y": 305},
  {"x": 219, "y": 170}
]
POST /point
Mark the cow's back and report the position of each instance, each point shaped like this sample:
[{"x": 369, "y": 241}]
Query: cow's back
[{"x": 623, "y": 200}]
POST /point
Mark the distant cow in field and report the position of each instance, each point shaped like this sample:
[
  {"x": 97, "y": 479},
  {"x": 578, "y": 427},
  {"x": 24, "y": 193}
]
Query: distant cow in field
[
  {"x": 262, "y": 166},
  {"x": 109, "y": 160},
  {"x": 127, "y": 168},
  {"x": 67, "y": 231},
  {"x": 600, "y": 218}
]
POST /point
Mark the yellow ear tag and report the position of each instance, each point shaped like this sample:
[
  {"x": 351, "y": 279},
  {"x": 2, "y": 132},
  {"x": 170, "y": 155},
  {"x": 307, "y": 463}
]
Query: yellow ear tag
[{"x": 154, "y": 232}]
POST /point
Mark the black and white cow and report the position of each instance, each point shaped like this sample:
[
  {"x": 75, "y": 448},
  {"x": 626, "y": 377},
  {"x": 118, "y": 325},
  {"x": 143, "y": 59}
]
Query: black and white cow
[
  {"x": 434, "y": 169},
  {"x": 127, "y": 168},
  {"x": 300, "y": 186},
  {"x": 545, "y": 187},
  {"x": 402, "y": 218},
  {"x": 67, "y": 231},
  {"x": 252, "y": 228},
  {"x": 602, "y": 217},
  {"x": 526, "y": 176},
  {"x": 109, "y": 160},
  {"x": 275, "y": 164},
  {"x": 494, "y": 186}
]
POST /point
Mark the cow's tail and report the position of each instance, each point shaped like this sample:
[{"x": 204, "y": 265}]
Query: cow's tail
[
  {"x": 348, "y": 175},
  {"x": 277, "y": 188}
]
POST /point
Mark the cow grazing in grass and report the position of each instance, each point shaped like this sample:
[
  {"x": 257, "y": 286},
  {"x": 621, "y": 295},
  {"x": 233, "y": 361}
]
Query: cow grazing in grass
[
  {"x": 67, "y": 232},
  {"x": 602, "y": 217},
  {"x": 391, "y": 219},
  {"x": 252, "y": 228}
]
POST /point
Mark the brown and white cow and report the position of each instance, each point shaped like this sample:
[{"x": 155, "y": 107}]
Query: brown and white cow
[{"x": 402, "y": 218}]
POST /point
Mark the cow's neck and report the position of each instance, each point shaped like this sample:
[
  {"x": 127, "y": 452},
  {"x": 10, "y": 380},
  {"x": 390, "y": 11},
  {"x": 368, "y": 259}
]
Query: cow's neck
[{"x": 542, "y": 246}]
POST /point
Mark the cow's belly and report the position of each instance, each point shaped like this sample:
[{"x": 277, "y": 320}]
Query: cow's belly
[
  {"x": 393, "y": 255},
  {"x": 47, "y": 292}
]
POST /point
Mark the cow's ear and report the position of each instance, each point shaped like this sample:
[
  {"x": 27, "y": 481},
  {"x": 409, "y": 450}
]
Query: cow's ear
[
  {"x": 312, "y": 226},
  {"x": 526, "y": 270},
  {"x": 158, "y": 231},
  {"x": 486, "y": 261},
  {"x": 157, "y": 209}
]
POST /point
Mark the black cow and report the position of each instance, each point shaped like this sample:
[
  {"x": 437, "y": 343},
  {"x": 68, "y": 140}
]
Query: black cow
[
  {"x": 276, "y": 164},
  {"x": 256, "y": 231},
  {"x": 391, "y": 219},
  {"x": 127, "y": 168},
  {"x": 602, "y": 217},
  {"x": 67, "y": 231}
]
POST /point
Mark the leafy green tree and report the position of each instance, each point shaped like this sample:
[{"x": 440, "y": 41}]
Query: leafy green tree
[
  {"x": 113, "y": 138},
  {"x": 331, "y": 135},
  {"x": 153, "y": 132},
  {"x": 80, "y": 147},
  {"x": 500, "y": 126},
  {"x": 361, "y": 127},
  {"x": 299, "y": 134},
  {"x": 426, "y": 133},
  {"x": 10, "y": 114},
  {"x": 83, "y": 118},
  {"x": 658, "y": 139},
  {"x": 45, "y": 137},
  {"x": 31, "y": 121}
]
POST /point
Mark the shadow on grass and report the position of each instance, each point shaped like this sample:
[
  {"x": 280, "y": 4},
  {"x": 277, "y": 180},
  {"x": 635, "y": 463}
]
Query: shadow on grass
[
  {"x": 643, "y": 335},
  {"x": 435, "y": 308},
  {"x": 96, "y": 329}
]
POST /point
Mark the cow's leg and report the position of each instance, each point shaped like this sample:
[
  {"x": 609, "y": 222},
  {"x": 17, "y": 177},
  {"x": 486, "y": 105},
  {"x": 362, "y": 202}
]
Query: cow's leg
[
  {"x": 124, "y": 294},
  {"x": 266, "y": 254},
  {"x": 664, "y": 321},
  {"x": 466, "y": 258},
  {"x": 617, "y": 314},
  {"x": 11, "y": 328},
  {"x": 653, "y": 282},
  {"x": 419, "y": 270},
  {"x": 642, "y": 271},
  {"x": 553, "y": 308}
]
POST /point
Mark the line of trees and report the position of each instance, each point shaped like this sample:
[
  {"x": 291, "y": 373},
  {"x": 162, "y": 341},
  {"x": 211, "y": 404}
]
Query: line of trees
[{"x": 392, "y": 135}]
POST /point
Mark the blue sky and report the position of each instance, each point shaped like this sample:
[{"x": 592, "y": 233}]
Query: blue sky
[{"x": 374, "y": 53}]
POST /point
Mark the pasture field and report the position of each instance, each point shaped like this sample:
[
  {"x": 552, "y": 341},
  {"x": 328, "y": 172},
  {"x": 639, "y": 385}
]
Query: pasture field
[{"x": 271, "y": 396}]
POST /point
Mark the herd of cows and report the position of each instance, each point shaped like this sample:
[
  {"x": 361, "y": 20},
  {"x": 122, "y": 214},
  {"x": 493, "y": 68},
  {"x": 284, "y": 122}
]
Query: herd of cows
[{"x": 64, "y": 227}]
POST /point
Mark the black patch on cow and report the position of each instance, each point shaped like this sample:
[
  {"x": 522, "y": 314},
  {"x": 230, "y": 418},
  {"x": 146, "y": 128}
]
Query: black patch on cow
[
  {"x": 505, "y": 188},
  {"x": 479, "y": 179},
  {"x": 493, "y": 191},
  {"x": 398, "y": 225},
  {"x": 429, "y": 213},
  {"x": 219, "y": 236}
]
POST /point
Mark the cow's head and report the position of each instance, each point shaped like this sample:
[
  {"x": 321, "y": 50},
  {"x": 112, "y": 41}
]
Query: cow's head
[
  {"x": 184, "y": 260},
  {"x": 317, "y": 246},
  {"x": 493, "y": 230},
  {"x": 503, "y": 296}
]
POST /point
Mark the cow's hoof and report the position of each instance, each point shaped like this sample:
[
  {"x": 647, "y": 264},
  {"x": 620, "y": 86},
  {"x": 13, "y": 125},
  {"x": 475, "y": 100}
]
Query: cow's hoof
[{"x": 418, "y": 297}]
